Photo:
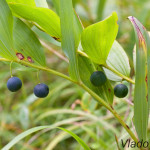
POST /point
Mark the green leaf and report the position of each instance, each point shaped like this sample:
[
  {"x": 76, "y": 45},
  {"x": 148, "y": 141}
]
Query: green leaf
[
  {"x": 141, "y": 91},
  {"x": 86, "y": 68},
  {"x": 97, "y": 39},
  {"x": 56, "y": 4},
  {"x": 100, "y": 9},
  {"x": 35, "y": 129},
  {"x": 147, "y": 36},
  {"x": 26, "y": 2},
  {"x": 6, "y": 29},
  {"x": 44, "y": 18},
  {"x": 21, "y": 136},
  {"x": 26, "y": 43},
  {"x": 118, "y": 60},
  {"x": 71, "y": 32},
  {"x": 59, "y": 138},
  {"x": 80, "y": 141}
]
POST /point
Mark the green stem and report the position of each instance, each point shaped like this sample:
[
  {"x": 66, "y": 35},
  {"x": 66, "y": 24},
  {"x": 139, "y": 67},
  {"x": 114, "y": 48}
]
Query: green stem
[
  {"x": 38, "y": 77},
  {"x": 119, "y": 74},
  {"x": 100, "y": 100},
  {"x": 11, "y": 68},
  {"x": 38, "y": 67}
]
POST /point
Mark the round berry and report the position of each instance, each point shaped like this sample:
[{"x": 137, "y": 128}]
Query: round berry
[
  {"x": 121, "y": 90},
  {"x": 98, "y": 78},
  {"x": 14, "y": 84},
  {"x": 41, "y": 90}
]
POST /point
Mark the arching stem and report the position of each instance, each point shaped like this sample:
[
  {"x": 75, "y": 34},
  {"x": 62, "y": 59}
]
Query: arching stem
[{"x": 93, "y": 94}]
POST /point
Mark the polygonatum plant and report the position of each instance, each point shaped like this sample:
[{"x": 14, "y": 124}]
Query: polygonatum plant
[{"x": 95, "y": 57}]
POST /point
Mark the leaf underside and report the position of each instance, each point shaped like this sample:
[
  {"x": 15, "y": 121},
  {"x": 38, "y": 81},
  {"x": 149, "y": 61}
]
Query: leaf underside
[
  {"x": 118, "y": 60},
  {"x": 44, "y": 18}
]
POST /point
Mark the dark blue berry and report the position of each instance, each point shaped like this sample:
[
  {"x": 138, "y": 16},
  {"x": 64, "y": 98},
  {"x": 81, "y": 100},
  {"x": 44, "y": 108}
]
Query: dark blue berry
[
  {"x": 98, "y": 78},
  {"x": 121, "y": 90},
  {"x": 14, "y": 84},
  {"x": 41, "y": 90}
]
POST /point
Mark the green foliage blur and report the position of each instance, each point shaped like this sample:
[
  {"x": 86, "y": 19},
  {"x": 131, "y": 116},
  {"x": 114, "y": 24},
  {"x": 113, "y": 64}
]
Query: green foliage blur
[{"x": 68, "y": 105}]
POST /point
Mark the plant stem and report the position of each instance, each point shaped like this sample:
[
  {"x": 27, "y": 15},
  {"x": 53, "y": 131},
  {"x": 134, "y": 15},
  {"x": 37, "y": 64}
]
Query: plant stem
[
  {"x": 11, "y": 68},
  {"x": 38, "y": 77},
  {"x": 100, "y": 100},
  {"x": 119, "y": 74},
  {"x": 39, "y": 67}
]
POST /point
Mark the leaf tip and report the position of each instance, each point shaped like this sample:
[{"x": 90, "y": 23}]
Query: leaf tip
[{"x": 138, "y": 28}]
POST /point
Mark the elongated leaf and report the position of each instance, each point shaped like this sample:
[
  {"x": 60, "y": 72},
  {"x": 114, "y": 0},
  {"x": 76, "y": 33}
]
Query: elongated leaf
[
  {"x": 100, "y": 9},
  {"x": 35, "y": 129},
  {"x": 80, "y": 141},
  {"x": 86, "y": 68},
  {"x": 134, "y": 50},
  {"x": 118, "y": 60},
  {"x": 98, "y": 38},
  {"x": 56, "y": 4},
  {"x": 59, "y": 138},
  {"x": 141, "y": 91},
  {"x": 44, "y": 18},
  {"x": 22, "y": 135},
  {"x": 147, "y": 36},
  {"x": 26, "y": 43},
  {"x": 70, "y": 36},
  {"x": 6, "y": 28}
]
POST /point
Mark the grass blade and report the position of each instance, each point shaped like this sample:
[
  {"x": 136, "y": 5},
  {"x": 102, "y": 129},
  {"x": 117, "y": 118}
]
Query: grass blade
[
  {"x": 80, "y": 141},
  {"x": 35, "y": 129},
  {"x": 141, "y": 92}
]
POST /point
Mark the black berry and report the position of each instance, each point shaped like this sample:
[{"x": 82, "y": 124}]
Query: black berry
[
  {"x": 41, "y": 90},
  {"x": 14, "y": 84},
  {"x": 121, "y": 90},
  {"x": 98, "y": 78}
]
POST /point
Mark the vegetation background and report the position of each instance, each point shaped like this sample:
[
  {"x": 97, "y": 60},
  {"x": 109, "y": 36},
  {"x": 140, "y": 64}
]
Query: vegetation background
[{"x": 68, "y": 105}]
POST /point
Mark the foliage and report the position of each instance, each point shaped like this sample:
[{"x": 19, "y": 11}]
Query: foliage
[{"x": 84, "y": 33}]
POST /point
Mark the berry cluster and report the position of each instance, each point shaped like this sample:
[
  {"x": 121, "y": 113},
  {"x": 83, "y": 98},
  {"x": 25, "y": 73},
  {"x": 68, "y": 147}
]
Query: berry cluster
[
  {"x": 98, "y": 78},
  {"x": 14, "y": 84}
]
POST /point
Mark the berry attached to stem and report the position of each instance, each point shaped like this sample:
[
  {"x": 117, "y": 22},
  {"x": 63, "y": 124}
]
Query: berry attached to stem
[
  {"x": 98, "y": 78},
  {"x": 121, "y": 90},
  {"x": 14, "y": 84},
  {"x": 41, "y": 90}
]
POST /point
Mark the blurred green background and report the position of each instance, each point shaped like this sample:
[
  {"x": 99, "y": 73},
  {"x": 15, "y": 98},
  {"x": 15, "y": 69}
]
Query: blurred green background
[{"x": 68, "y": 105}]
